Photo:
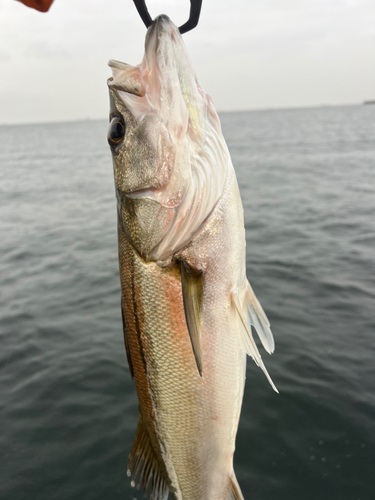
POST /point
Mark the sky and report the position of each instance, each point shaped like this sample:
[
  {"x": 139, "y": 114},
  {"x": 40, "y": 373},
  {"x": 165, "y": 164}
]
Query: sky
[{"x": 248, "y": 54}]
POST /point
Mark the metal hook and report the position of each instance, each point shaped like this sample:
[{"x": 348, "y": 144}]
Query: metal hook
[{"x": 195, "y": 10}]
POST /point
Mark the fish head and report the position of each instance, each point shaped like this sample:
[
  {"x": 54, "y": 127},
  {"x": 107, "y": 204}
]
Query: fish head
[{"x": 158, "y": 126}]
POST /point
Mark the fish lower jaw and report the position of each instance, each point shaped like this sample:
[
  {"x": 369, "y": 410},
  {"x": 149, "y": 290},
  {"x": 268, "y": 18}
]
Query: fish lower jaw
[
  {"x": 143, "y": 193},
  {"x": 164, "y": 196}
]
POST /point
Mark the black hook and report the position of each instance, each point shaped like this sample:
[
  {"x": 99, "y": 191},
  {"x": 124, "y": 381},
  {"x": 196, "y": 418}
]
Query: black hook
[{"x": 195, "y": 10}]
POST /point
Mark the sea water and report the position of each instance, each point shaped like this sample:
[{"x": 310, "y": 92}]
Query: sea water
[{"x": 68, "y": 405}]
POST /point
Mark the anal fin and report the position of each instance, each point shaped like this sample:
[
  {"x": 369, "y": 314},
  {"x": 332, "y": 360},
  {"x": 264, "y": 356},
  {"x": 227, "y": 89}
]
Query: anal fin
[
  {"x": 234, "y": 490},
  {"x": 143, "y": 467},
  {"x": 192, "y": 295}
]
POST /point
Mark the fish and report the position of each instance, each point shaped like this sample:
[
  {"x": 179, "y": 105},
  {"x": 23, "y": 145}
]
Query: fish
[{"x": 188, "y": 309}]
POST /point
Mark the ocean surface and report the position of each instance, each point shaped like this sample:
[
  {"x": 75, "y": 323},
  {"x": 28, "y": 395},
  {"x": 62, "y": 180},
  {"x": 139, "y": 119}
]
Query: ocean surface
[{"x": 68, "y": 405}]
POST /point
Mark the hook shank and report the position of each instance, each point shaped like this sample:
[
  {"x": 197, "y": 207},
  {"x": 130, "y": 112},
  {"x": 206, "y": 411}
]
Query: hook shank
[{"x": 191, "y": 23}]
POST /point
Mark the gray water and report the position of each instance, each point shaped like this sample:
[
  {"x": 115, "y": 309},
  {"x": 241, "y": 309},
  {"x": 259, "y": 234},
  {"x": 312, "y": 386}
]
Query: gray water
[{"x": 68, "y": 404}]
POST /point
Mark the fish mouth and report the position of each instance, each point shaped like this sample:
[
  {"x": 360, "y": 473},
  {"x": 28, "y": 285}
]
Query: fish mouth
[
  {"x": 162, "y": 27},
  {"x": 163, "y": 22}
]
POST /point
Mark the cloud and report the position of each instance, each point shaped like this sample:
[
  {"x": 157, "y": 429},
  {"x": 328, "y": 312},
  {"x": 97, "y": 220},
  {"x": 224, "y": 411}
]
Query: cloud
[
  {"x": 247, "y": 54},
  {"x": 4, "y": 56}
]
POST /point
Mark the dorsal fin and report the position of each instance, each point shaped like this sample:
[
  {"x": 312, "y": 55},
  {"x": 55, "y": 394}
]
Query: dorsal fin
[
  {"x": 143, "y": 466},
  {"x": 192, "y": 294},
  {"x": 234, "y": 490}
]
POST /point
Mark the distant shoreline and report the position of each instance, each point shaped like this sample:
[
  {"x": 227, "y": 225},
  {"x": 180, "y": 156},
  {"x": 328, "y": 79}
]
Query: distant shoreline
[{"x": 220, "y": 111}]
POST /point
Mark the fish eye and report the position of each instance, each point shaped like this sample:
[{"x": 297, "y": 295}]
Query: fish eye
[{"x": 116, "y": 131}]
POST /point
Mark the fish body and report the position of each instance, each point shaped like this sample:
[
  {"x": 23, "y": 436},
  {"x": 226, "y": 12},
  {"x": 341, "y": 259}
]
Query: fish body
[{"x": 186, "y": 302}]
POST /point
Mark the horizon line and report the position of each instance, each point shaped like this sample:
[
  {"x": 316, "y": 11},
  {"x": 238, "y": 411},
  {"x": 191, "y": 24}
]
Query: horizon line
[{"x": 252, "y": 110}]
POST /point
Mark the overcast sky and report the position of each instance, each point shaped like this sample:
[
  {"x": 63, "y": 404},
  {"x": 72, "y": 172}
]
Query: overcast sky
[{"x": 248, "y": 54}]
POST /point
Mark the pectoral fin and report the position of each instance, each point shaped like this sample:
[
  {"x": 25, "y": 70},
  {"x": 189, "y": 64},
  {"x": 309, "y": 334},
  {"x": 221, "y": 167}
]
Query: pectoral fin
[
  {"x": 143, "y": 466},
  {"x": 234, "y": 491},
  {"x": 247, "y": 340},
  {"x": 259, "y": 320},
  {"x": 192, "y": 294}
]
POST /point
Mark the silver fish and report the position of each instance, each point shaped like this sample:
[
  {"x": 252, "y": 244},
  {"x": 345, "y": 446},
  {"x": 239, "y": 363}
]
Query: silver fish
[{"x": 187, "y": 306}]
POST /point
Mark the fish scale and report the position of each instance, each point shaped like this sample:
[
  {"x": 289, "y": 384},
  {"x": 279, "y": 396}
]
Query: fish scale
[{"x": 165, "y": 344}]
